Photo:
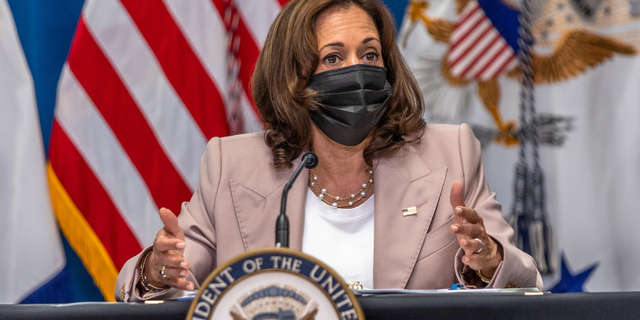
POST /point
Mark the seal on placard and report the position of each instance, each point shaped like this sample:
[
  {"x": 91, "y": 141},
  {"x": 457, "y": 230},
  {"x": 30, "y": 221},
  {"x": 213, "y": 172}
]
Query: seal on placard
[{"x": 274, "y": 283}]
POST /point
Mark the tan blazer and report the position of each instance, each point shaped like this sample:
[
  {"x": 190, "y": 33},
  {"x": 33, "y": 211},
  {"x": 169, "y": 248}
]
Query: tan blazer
[{"x": 235, "y": 206}]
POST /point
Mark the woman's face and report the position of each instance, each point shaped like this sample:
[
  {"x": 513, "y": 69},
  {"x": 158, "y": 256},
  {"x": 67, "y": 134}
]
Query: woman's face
[{"x": 347, "y": 37}]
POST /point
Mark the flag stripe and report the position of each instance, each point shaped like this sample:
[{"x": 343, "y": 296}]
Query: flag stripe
[
  {"x": 498, "y": 64},
  {"x": 471, "y": 6},
  {"x": 258, "y": 17},
  {"x": 127, "y": 122},
  {"x": 502, "y": 48},
  {"x": 204, "y": 29},
  {"x": 248, "y": 54},
  {"x": 458, "y": 49},
  {"x": 483, "y": 34},
  {"x": 180, "y": 64},
  {"x": 466, "y": 24},
  {"x": 87, "y": 194},
  {"x": 82, "y": 238},
  {"x": 248, "y": 57},
  {"x": 509, "y": 62},
  {"x": 119, "y": 177},
  {"x": 173, "y": 126},
  {"x": 488, "y": 56},
  {"x": 480, "y": 51},
  {"x": 252, "y": 122}
]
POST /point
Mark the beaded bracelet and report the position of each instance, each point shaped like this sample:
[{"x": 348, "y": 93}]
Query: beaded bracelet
[{"x": 143, "y": 279}]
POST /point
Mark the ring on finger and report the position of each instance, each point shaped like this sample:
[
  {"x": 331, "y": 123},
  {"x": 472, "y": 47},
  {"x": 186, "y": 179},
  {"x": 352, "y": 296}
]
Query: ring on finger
[
  {"x": 481, "y": 246},
  {"x": 163, "y": 274}
]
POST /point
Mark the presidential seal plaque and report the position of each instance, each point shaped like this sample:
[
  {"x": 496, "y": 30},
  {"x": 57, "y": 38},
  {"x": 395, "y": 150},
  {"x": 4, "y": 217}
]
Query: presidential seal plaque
[{"x": 274, "y": 283}]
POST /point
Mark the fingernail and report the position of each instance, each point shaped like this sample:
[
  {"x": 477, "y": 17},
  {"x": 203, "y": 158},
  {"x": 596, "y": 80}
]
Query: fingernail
[
  {"x": 465, "y": 259},
  {"x": 465, "y": 242},
  {"x": 455, "y": 228},
  {"x": 180, "y": 245},
  {"x": 190, "y": 286},
  {"x": 459, "y": 210},
  {"x": 183, "y": 264},
  {"x": 183, "y": 273}
]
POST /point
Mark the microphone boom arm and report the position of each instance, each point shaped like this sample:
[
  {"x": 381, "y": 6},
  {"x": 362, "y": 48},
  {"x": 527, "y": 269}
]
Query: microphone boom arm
[{"x": 309, "y": 160}]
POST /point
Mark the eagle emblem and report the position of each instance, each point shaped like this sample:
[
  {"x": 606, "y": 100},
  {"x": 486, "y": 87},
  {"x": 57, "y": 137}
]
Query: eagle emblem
[
  {"x": 275, "y": 301},
  {"x": 483, "y": 44}
]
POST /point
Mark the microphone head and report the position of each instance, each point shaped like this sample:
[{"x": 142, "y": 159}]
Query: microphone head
[{"x": 312, "y": 160}]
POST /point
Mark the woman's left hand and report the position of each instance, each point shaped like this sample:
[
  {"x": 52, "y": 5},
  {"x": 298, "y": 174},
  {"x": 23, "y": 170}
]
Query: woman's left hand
[{"x": 468, "y": 226}]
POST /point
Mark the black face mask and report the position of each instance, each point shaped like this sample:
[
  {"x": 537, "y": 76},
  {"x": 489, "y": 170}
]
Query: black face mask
[{"x": 353, "y": 100}]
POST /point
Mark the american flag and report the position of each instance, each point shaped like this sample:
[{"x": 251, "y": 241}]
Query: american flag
[
  {"x": 146, "y": 84},
  {"x": 479, "y": 49}
]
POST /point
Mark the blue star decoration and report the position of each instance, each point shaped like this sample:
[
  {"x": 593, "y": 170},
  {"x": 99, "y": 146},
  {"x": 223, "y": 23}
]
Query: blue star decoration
[{"x": 569, "y": 282}]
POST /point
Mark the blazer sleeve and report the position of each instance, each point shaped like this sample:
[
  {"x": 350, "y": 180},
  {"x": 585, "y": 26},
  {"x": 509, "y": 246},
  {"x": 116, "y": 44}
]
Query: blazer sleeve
[
  {"x": 517, "y": 268},
  {"x": 196, "y": 219}
]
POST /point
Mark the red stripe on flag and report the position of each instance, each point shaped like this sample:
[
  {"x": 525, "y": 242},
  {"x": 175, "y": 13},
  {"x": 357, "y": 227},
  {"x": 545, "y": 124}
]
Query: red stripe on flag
[
  {"x": 248, "y": 53},
  {"x": 468, "y": 15},
  {"x": 87, "y": 193},
  {"x": 496, "y": 37},
  {"x": 181, "y": 65},
  {"x": 112, "y": 99},
  {"x": 490, "y": 63},
  {"x": 478, "y": 38},
  {"x": 464, "y": 19},
  {"x": 505, "y": 65},
  {"x": 464, "y": 36},
  {"x": 283, "y": 2}
]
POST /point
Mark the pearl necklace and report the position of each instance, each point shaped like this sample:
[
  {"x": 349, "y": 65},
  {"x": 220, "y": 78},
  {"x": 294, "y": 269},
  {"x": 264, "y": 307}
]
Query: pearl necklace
[{"x": 352, "y": 199}]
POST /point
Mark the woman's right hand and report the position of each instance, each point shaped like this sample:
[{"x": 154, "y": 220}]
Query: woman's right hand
[{"x": 168, "y": 251}]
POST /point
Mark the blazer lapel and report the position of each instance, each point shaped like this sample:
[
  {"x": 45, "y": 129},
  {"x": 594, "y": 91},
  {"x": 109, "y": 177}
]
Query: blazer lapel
[
  {"x": 257, "y": 204},
  {"x": 403, "y": 181}
]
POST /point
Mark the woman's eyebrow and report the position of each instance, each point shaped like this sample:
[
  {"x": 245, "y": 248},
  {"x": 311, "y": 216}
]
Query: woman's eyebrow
[
  {"x": 369, "y": 39},
  {"x": 333, "y": 44}
]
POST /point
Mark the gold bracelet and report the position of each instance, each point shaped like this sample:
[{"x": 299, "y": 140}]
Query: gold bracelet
[
  {"x": 143, "y": 279},
  {"x": 482, "y": 277}
]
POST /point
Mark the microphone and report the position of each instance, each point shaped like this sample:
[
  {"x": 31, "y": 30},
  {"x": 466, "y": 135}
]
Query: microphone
[{"x": 309, "y": 160}]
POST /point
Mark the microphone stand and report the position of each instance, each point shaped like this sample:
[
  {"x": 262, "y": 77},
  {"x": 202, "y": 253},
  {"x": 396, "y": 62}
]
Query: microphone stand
[{"x": 310, "y": 161}]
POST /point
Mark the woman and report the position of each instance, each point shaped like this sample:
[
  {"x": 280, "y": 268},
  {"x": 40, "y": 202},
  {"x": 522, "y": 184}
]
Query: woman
[{"x": 393, "y": 203}]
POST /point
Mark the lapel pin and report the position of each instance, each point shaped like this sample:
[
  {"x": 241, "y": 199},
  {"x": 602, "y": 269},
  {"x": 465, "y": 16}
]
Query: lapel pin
[{"x": 409, "y": 211}]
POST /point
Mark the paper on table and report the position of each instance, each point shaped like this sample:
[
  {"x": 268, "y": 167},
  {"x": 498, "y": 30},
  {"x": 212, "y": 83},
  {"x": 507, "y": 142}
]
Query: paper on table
[
  {"x": 491, "y": 290},
  {"x": 188, "y": 295}
]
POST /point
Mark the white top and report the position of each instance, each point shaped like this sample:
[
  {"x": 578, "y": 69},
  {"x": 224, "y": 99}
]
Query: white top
[{"x": 341, "y": 238}]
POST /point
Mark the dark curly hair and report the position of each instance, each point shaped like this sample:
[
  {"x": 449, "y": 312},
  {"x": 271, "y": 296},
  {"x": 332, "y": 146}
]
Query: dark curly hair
[{"x": 289, "y": 59}]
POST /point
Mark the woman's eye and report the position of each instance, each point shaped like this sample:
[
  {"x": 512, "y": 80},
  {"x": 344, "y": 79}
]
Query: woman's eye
[
  {"x": 332, "y": 59},
  {"x": 371, "y": 56}
]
